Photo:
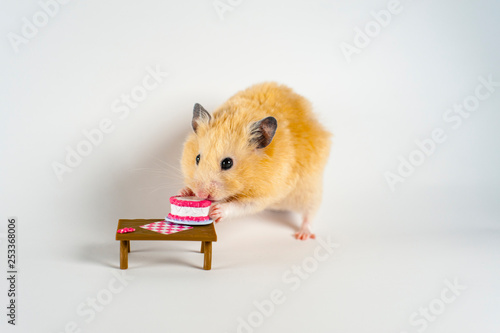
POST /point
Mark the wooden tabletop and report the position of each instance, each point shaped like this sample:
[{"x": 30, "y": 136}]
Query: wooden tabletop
[{"x": 198, "y": 233}]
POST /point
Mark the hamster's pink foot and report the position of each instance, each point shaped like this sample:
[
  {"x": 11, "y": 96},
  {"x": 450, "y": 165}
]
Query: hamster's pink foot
[
  {"x": 304, "y": 232},
  {"x": 186, "y": 192},
  {"x": 216, "y": 212}
]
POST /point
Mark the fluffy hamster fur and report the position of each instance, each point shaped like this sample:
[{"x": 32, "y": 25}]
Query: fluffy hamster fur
[{"x": 278, "y": 150}]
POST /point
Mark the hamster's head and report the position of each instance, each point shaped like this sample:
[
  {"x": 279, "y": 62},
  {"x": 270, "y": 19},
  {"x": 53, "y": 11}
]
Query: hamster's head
[{"x": 222, "y": 155}]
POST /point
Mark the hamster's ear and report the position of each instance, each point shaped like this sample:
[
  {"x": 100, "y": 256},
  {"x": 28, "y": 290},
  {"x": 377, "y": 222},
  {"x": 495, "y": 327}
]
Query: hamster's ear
[
  {"x": 199, "y": 115},
  {"x": 262, "y": 132}
]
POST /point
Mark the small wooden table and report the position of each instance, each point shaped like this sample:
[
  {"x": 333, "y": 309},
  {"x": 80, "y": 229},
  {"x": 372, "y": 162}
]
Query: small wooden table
[{"x": 204, "y": 233}]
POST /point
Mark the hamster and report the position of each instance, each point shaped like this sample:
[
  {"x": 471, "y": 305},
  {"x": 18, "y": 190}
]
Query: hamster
[{"x": 262, "y": 149}]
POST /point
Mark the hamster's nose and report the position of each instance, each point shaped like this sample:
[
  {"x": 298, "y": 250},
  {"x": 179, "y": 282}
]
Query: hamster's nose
[{"x": 202, "y": 194}]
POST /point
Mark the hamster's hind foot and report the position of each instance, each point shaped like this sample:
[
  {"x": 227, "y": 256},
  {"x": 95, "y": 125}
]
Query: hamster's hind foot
[{"x": 305, "y": 231}]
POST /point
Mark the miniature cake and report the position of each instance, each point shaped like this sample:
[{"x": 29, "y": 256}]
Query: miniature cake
[{"x": 189, "y": 210}]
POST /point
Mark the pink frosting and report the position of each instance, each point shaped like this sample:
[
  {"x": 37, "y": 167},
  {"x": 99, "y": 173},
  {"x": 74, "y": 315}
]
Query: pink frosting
[
  {"x": 188, "y": 218},
  {"x": 187, "y": 203},
  {"x": 125, "y": 230}
]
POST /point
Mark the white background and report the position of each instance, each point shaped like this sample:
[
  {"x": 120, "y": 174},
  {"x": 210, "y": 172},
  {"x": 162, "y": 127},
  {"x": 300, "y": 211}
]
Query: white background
[{"x": 396, "y": 248}]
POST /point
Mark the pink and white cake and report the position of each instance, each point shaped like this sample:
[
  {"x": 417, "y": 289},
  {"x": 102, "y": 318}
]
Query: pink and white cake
[{"x": 189, "y": 210}]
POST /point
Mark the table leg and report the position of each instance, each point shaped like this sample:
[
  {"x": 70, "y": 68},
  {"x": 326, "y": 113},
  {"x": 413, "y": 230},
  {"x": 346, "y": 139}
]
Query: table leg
[
  {"x": 128, "y": 246},
  {"x": 202, "y": 247},
  {"x": 208, "y": 255},
  {"x": 124, "y": 254}
]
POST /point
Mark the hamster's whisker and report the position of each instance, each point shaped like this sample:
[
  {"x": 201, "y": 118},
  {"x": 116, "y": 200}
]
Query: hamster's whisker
[
  {"x": 155, "y": 188},
  {"x": 169, "y": 165},
  {"x": 160, "y": 172}
]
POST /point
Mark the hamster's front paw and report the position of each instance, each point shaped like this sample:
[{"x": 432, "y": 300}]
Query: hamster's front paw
[
  {"x": 217, "y": 212},
  {"x": 186, "y": 192}
]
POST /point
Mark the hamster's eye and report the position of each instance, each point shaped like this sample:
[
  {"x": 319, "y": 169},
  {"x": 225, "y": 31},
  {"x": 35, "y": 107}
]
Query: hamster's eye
[
  {"x": 198, "y": 159},
  {"x": 226, "y": 163}
]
